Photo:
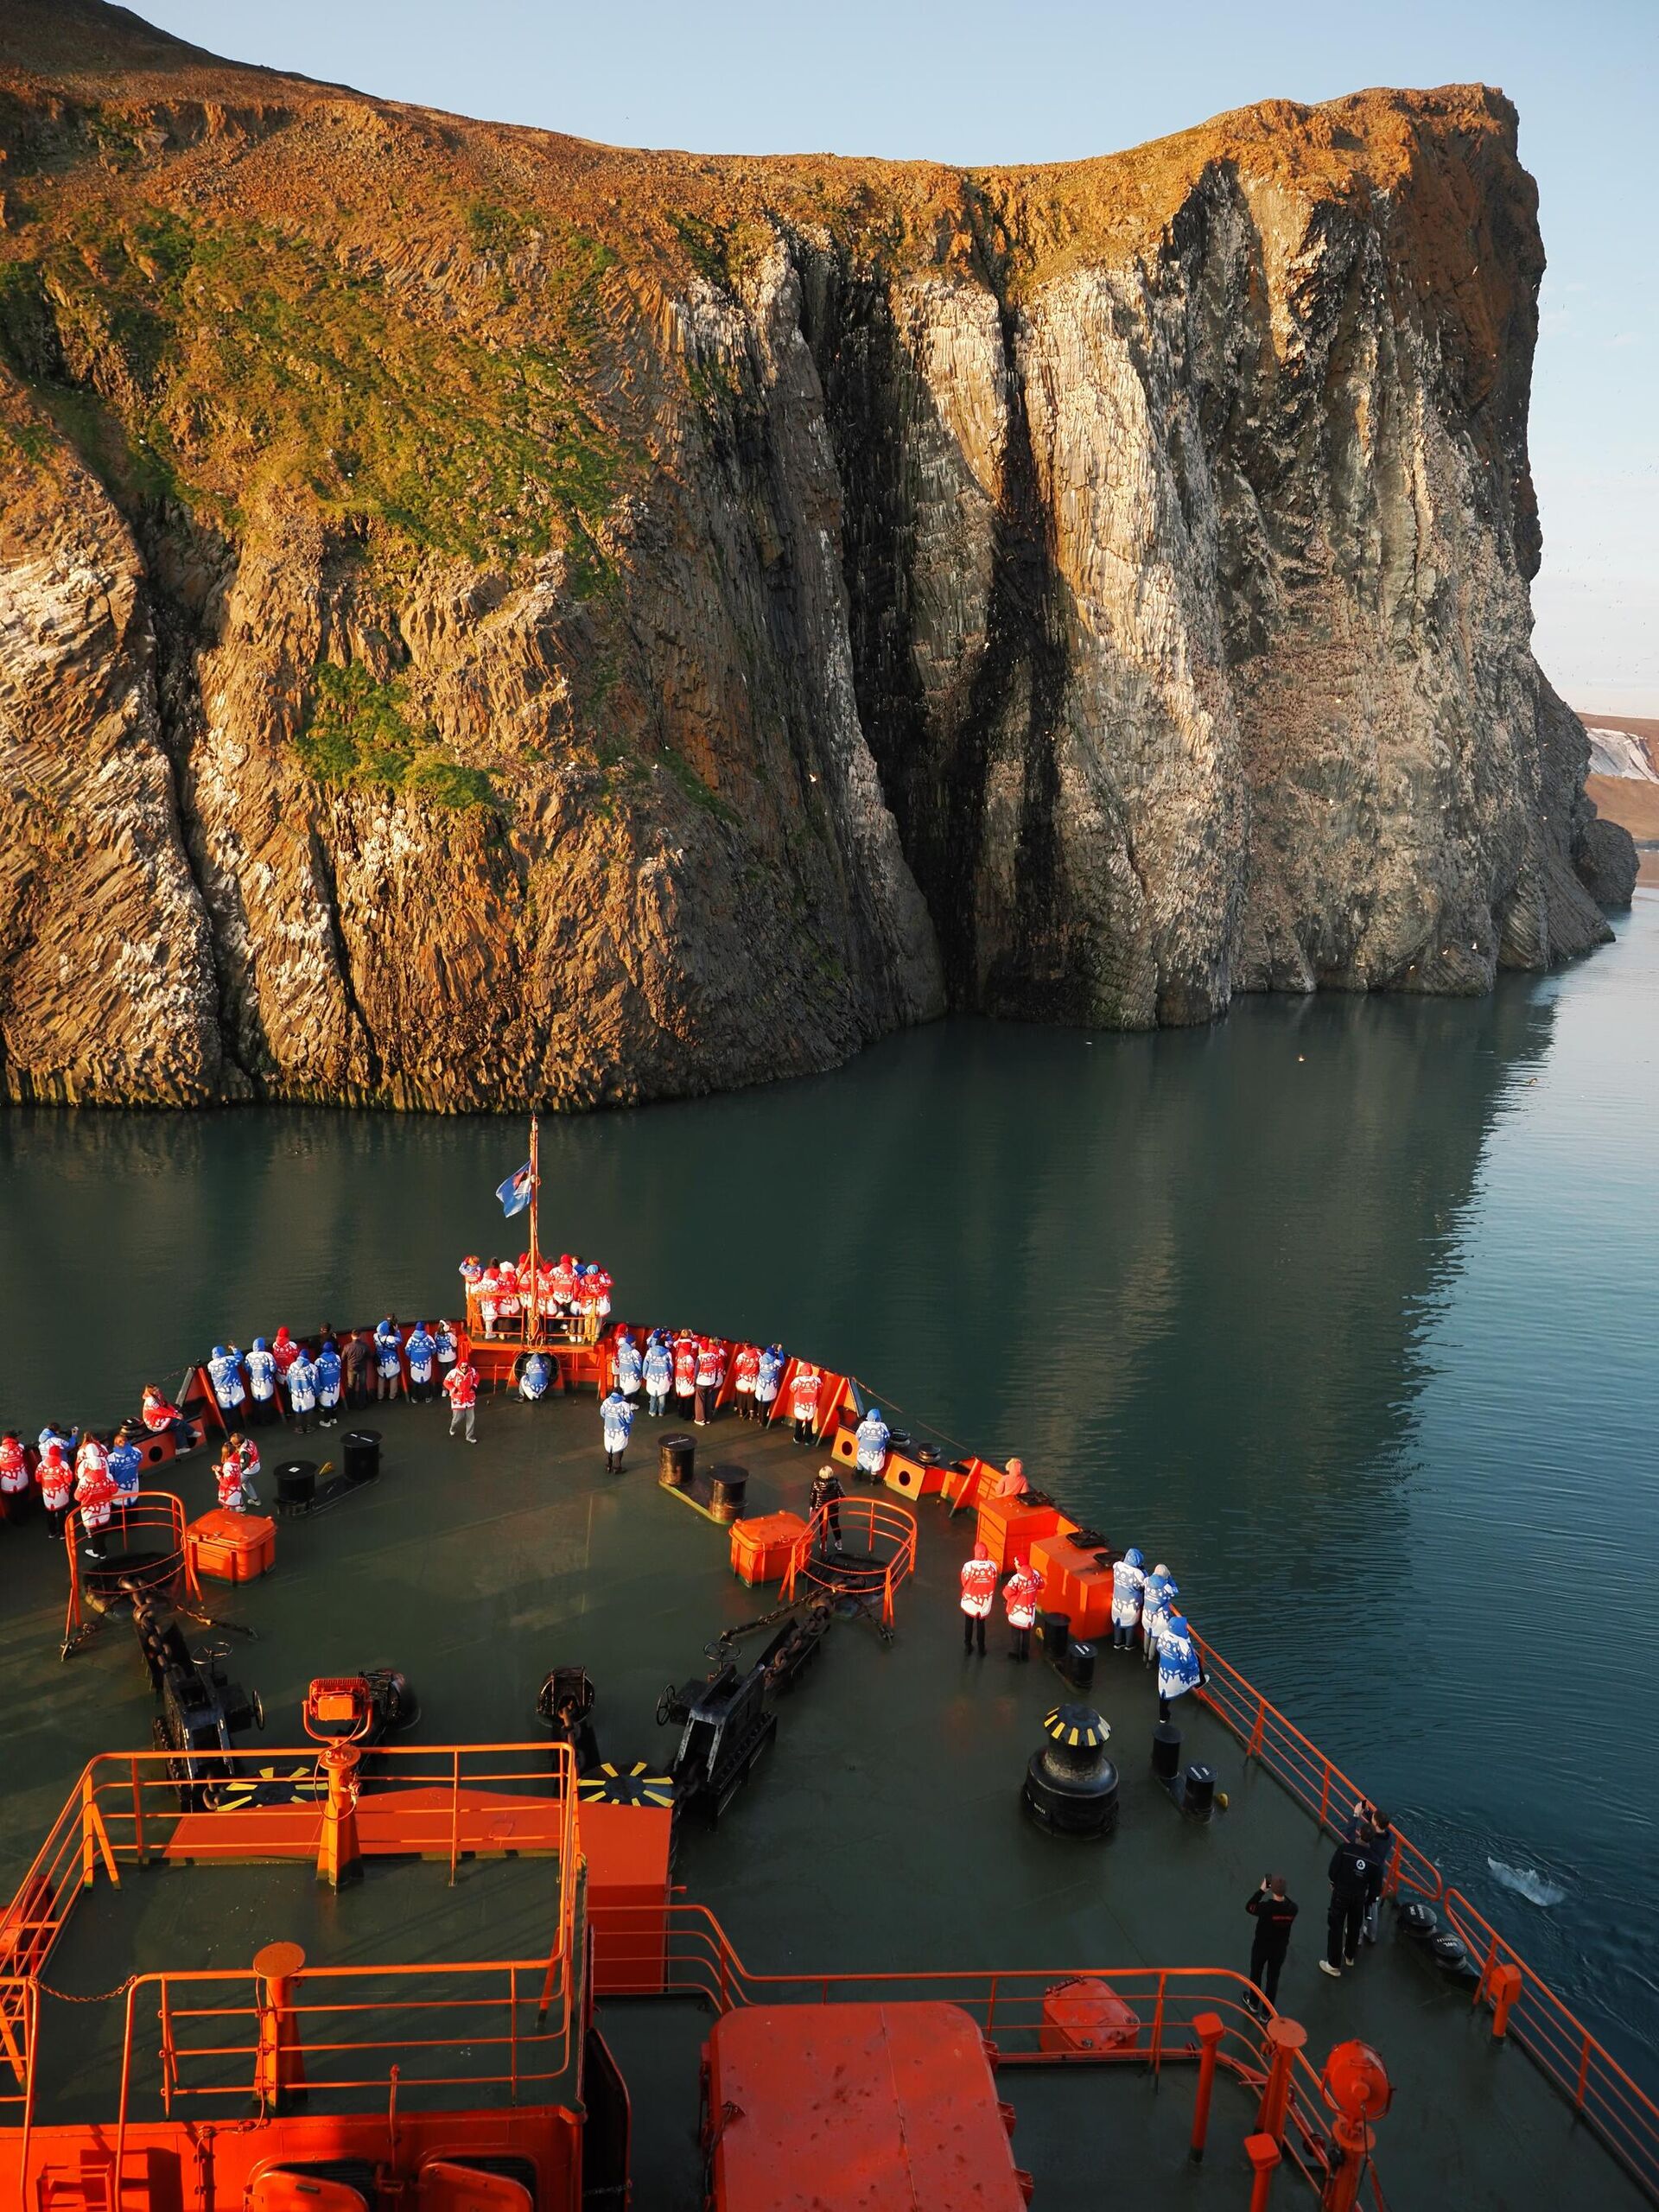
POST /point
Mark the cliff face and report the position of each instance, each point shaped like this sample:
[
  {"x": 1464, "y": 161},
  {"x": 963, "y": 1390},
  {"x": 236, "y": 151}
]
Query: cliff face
[{"x": 487, "y": 617}]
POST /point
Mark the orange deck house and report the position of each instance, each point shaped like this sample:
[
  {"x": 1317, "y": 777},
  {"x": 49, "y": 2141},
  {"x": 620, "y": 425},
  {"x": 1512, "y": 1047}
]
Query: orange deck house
[{"x": 889, "y": 2107}]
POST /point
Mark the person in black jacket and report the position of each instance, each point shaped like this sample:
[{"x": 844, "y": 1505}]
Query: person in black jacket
[
  {"x": 1272, "y": 1913},
  {"x": 1351, "y": 1887},
  {"x": 828, "y": 1489}
]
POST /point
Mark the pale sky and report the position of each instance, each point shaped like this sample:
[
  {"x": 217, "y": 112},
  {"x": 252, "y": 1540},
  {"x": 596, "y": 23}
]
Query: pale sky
[{"x": 982, "y": 81}]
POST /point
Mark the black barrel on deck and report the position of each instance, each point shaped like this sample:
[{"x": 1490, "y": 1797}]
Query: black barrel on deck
[
  {"x": 361, "y": 1455},
  {"x": 1078, "y": 1666},
  {"x": 296, "y": 1482},
  {"x": 728, "y": 1487},
  {"x": 1166, "y": 1751},
  {"x": 1055, "y": 1629},
  {"x": 1199, "y": 1791},
  {"x": 676, "y": 1459}
]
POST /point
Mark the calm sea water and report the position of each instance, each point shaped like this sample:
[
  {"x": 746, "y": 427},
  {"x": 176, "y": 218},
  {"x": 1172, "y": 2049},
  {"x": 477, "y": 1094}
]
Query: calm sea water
[{"x": 1345, "y": 1308}]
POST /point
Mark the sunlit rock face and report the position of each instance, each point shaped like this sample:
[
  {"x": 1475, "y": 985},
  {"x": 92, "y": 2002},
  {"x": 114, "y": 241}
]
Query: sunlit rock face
[{"x": 485, "y": 618}]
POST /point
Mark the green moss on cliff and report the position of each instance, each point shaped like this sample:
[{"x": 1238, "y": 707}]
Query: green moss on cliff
[
  {"x": 244, "y": 354},
  {"x": 357, "y": 734}
]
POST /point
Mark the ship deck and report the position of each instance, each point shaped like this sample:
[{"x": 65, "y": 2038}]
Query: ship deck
[{"x": 882, "y": 1832}]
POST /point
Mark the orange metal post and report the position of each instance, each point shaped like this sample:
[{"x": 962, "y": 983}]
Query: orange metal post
[
  {"x": 1353, "y": 2140},
  {"x": 279, "y": 2069},
  {"x": 1284, "y": 2038},
  {"x": 1264, "y": 2155},
  {"x": 1209, "y": 2027},
  {"x": 337, "y": 1847},
  {"x": 1503, "y": 1986}
]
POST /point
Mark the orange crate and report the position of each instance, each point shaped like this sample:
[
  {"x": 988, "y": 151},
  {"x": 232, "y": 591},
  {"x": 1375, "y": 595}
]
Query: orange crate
[
  {"x": 1008, "y": 1525},
  {"x": 232, "y": 1546},
  {"x": 1073, "y": 1585},
  {"x": 760, "y": 1548}
]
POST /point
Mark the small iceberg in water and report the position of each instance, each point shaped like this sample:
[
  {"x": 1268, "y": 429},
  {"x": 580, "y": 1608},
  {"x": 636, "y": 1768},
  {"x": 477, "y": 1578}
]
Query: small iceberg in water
[{"x": 1527, "y": 1882}]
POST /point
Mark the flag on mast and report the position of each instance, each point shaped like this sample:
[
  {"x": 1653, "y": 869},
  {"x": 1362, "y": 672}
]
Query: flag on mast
[{"x": 516, "y": 1193}]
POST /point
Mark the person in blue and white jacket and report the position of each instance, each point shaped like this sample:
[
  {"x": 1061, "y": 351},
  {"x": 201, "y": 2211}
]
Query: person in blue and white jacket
[
  {"x": 388, "y": 1363},
  {"x": 330, "y": 1369},
  {"x": 768, "y": 1381},
  {"x": 262, "y": 1382},
  {"x": 1160, "y": 1594},
  {"x": 658, "y": 1368},
  {"x": 534, "y": 1378},
  {"x": 873, "y": 1439},
  {"x": 1129, "y": 1580},
  {"x": 225, "y": 1373},
  {"x": 1180, "y": 1668},
  {"x": 302, "y": 1390},
  {"x": 421, "y": 1350},
  {"x": 629, "y": 1365},
  {"x": 126, "y": 1463},
  {"x": 617, "y": 1416}
]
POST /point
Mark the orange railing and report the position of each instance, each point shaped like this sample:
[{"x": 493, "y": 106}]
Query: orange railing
[
  {"x": 128, "y": 1808},
  {"x": 1312, "y": 1778},
  {"x": 150, "y": 1527},
  {"x": 1595, "y": 2084},
  {"x": 474, "y": 2025},
  {"x": 888, "y": 1534},
  {"x": 1009, "y": 2005}
]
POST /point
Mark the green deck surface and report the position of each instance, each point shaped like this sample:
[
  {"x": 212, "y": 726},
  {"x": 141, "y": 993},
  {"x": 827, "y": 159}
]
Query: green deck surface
[{"x": 882, "y": 1832}]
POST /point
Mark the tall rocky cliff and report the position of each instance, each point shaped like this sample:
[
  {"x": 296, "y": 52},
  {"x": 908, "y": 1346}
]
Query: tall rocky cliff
[{"x": 487, "y": 617}]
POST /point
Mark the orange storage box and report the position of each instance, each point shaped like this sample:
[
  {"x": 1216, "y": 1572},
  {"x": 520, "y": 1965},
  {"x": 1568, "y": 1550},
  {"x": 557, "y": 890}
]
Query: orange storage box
[
  {"x": 1008, "y": 1526},
  {"x": 760, "y": 1548},
  {"x": 232, "y": 1546},
  {"x": 1086, "y": 2015},
  {"x": 1072, "y": 1584}
]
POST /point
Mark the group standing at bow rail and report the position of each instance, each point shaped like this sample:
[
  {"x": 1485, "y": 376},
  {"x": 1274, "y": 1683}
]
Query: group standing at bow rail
[{"x": 1145, "y": 1614}]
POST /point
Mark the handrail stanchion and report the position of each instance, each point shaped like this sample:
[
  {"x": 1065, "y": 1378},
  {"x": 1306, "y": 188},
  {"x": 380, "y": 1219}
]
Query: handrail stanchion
[
  {"x": 1285, "y": 2038},
  {"x": 1209, "y": 2027},
  {"x": 1264, "y": 2155}
]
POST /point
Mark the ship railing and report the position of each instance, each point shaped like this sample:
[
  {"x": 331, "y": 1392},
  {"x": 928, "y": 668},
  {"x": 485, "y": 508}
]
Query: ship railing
[
  {"x": 145, "y": 1539},
  {"x": 216, "y": 2039},
  {"x": 1169, "y": 2014},
  {"x": 1312, "y": 1778},
  {"x": 441, "y": 1803},
  {"x": 880, "y": 1550},
  {"x": 1527, "y": 2009}
]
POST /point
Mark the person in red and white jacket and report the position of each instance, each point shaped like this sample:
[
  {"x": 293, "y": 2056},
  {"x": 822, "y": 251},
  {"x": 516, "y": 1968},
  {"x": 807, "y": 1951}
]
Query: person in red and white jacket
[
  {"x": 705, "y": 1381},
  {"x": 978, "y": 1591},
  {"x": 94, "y": 1493},
  {"x": 745, "y": 1369},
  {"x": 460, "y": 1388},
  {"x": 1019, "y": 1595},
  {"x": 227, "y": 1474},
  {"x": 14, "y": 1465},
  {"x": 248, "y": 1452},
  {"x": 685, "y": 1371},
  {"x": 57, "y": 1480},
  {"x": 803, "y": 1403},
  {"x": 158, "y": 1412}
]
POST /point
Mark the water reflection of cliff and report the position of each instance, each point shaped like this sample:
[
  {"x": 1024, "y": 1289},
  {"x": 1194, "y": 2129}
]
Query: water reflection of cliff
[{"x": 1187, "y": 1267}]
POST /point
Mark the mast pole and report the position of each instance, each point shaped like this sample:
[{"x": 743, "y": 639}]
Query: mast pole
[{"x": 533, "y": 1334}]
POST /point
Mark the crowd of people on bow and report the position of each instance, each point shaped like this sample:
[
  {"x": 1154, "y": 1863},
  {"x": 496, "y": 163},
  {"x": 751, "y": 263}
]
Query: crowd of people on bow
[{"x": 566, "y": 1295}]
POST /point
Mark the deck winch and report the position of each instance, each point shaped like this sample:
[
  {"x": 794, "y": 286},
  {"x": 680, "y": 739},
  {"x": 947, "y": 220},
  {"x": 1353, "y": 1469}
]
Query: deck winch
[
  {"x": 725, "y": 1721},
  {"x": 203, "y": 1711}
]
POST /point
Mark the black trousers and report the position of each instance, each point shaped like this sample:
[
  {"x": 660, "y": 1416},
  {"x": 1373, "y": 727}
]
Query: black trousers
[
  {"x": 1267, "y": 1963},
  {"x": 703, "y": 1398},
  {"x": 804, "y": 1431},
  {"x": 1342, "y": 1929},
  {"x": 970, "y": 1623},
  {"x": 1021, "y": 1644}
]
